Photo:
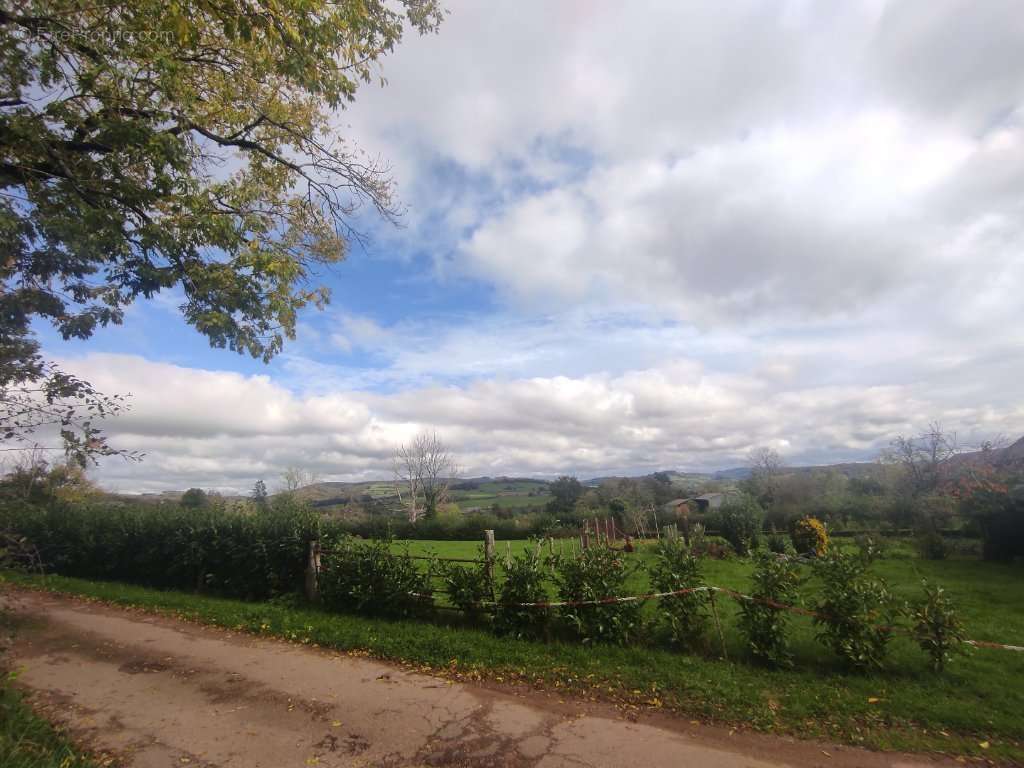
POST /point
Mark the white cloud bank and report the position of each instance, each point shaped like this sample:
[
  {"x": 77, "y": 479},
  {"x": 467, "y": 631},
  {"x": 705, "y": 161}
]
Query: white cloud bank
[
  {"x": 224, "y": 430},
  {"x": 710, "y": 225}
]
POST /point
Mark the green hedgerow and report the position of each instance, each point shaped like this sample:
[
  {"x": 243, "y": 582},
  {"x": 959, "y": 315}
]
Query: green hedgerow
[
  {"x": 775, "y": 580},
  {"x": 855, "y": 611},
  {"x": 597, "y": 573},
  {"x": 936, "y": 626},
  {"x": 677, "y": 567},
  {"x": 524, "y": 583}
]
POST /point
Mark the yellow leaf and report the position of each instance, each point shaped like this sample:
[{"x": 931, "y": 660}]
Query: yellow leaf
[
  {"x": 872, "y": 699},
  {"x": 336, "y": 724},
  {"x": 983, "y": 744}
]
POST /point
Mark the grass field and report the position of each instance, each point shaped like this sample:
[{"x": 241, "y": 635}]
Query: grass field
[
  {"x": 974, "y": 708},
  {"x": 508, "y": 494}
]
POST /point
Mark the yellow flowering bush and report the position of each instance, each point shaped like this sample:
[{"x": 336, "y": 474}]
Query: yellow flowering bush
[{"x": 809, "y": 535}]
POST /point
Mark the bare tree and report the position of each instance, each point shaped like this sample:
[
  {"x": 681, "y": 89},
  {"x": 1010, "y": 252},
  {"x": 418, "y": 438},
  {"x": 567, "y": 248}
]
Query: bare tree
[
  {"x": 294, "y": 478},
  {"x": 426, "y": 468},
  {"x": 765, "y": 467},
  {"x": 924, "y": 457}
]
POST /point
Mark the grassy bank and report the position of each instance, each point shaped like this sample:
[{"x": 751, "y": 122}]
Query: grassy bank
[
  {"x": 28, "y": 741},
  {"x": 972, "y": 709}
]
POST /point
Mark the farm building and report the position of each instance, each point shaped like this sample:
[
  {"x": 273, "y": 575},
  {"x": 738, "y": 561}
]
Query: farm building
[{"x": 700, "y": 505}]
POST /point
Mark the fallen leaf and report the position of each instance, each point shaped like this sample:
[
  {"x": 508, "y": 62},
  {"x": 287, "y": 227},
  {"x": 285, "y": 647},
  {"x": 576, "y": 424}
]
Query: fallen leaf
[
  {"x": 873, "y": 699},
  {"x": 336, "y": 724},
  {"x": 983, "y": 744}
]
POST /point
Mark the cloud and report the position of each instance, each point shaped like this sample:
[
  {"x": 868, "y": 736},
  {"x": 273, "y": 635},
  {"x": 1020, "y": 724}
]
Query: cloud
[
  {"x": 656, "y": 235},
  {"x": 723, "y": 163},
  {"x": 222, "y": 430}
]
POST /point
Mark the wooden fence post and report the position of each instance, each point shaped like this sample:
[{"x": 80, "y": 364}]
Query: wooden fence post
[
  {"x": 313, "y": 572},
  {"x": 489, "y": 554}
]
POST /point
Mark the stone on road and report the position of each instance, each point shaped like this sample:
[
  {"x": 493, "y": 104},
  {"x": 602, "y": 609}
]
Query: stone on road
[{"x": 162, "y": 693}]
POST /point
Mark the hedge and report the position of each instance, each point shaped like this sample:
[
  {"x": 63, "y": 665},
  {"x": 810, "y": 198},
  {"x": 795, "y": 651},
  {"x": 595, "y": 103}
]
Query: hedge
[{"x": 250, "y": 556}]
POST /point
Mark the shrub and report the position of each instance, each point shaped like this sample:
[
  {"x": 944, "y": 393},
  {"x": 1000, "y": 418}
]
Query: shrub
[
  {"x": 524, "y": 583},
  {"x": 367, "y": 577},
  {"x": 468, "y": 587},
  {"x": 855, "y": 612},
  {"x": 779, "y": 544},
  {"x": 810, "y": 536},
  {"x": 739, "y": 521},
  {"x": 697, "y": 538},
  {"x": 595, "y": 574},
  {"x": 931, "y": 545},
  {"x": 195, "y": 498},
  {"x": 775, "y": 580},
  {"x": 230, "y": 553},
  {"x": 1000, "y": 517},
  {"x": 676, "y": 567},
  {"x": 936, "y": 626}
]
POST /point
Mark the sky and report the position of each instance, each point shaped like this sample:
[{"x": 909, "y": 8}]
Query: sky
[{"x": 638, "y": 236}]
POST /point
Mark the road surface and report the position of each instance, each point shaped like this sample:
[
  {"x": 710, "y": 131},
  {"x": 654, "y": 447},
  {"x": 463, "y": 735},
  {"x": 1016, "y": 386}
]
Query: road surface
[{"x": 161, "y": 693}]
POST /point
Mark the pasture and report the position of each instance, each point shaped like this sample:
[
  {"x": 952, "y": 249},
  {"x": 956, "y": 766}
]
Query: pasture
[
  {"x": 971, "y": 709},
  {"x": 981, "y": 692},
  {"x": 506, "y": 494}
]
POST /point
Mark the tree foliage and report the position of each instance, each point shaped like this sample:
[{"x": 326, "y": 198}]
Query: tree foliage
[
  {"x": 148, "y": 146},
  {"x": 565, "y": 492},
  {"x": 195, "y": 498}
]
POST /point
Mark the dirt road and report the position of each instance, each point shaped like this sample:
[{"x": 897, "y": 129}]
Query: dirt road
[{"x": 164, "y": 693}]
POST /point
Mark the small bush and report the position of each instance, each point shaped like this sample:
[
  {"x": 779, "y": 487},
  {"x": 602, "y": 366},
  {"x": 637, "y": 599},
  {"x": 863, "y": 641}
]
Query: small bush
[
  {"x": 702, "y": 545},
  {"x": 855, "y": 611},
  {"x": 936, "y": 626},
  {"x": 779, "y": 544},
  {"x": 366, "y": 577},
  {"x": 932, "y": 546},
  {"x": 676, "y": 567},
  {"x": 739, "y": 520},
  {"x": 775, "y": 580},
  {"x": 698, "y": 535},
  {"x": 597, "y": 573},
  {"x": 810, "y": 537},
  {"x": 524, "y": 583},
  {"x": 468, "y": 587}
]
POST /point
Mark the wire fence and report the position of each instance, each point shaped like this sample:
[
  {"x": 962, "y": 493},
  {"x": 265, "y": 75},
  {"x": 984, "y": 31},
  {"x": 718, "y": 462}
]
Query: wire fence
[{"x": 489, "y": 560}]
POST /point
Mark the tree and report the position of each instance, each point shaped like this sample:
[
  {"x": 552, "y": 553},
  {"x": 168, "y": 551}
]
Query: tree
[
  {"x": 765, "y": 469},
  {"x": 32, "y": 478},
  {"x": 565, "y": 492},
  {"x": 923, "y": 458},
  {"x": 146, "y": 146},
  {"x": 294, "y": 478},
  {"x": 426, "y": 468},
  {"x": 195, "y": 498},
  {"x": 259, "y": 494}
]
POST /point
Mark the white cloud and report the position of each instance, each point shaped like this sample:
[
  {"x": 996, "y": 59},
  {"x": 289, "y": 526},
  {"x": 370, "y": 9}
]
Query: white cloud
[
  {"x": 222, "y": 430},
  {"x": 707, "y": 226}
]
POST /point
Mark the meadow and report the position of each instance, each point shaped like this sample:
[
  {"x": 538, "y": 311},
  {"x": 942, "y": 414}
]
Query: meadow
[{"x": 973, "y": 708}]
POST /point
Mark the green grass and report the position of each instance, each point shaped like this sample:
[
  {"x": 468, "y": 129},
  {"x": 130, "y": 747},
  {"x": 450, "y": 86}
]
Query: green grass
[
  {"x": 978, "y": 700},
  {"x": 28, "y": 741}
]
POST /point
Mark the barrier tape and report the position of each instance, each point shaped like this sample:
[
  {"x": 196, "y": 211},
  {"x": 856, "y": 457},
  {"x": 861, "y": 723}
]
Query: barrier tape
[
  {"x": 995, "y": 646},
  {"x": 691, "y": 590}
]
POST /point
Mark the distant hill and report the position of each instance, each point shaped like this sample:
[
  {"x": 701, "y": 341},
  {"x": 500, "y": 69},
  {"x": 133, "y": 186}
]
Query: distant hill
[
  {"x": 1007, "y": 458},
  {"x": 486, "y": 492}
]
